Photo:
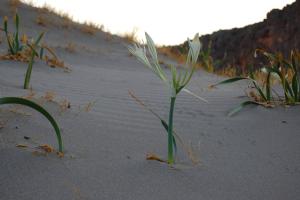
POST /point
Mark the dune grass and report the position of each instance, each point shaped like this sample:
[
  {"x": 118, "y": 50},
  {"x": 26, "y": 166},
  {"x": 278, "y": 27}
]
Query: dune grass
[
  {"x": 284, "y": 70},
  {"x": 21, "y": 49},
  {"x": 176, "y": 84},
  {"x": 13, "y": 40},
  {"x": 33, "y": 54}
]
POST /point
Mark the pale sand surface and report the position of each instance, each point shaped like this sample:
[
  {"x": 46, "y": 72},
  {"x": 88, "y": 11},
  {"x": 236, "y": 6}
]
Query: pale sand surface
[{"x": 253, "y": 155}]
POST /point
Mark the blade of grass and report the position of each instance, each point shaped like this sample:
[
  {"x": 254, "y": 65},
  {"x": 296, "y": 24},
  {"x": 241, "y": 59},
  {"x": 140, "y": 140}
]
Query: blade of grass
[
  {"x": 242, "y": 105},
  {"x": 230, "y": 80},
  {"x": 31, "y": 61},
  {"x": 33, "y": 105},
  {"x": 7, "y": 36}
]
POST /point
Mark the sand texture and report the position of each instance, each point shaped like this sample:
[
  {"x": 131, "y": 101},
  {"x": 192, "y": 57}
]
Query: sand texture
[{"x": 254, "y": 155}]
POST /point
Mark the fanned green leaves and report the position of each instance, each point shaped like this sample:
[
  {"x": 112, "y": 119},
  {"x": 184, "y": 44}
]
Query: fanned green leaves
[
  {"x": 176, "y": 83},
  {"x": 284, "y": 70},
  {"x": 31, "y": 104}
]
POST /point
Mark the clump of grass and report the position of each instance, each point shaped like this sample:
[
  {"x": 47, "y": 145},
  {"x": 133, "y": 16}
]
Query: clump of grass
[
  {"x": 13, "y": 40},
  {"x": 177, "y": 83},
  {"x": 131, "y": 36},
  {"x": 283, "y": 70},
  {"x": 40, "y": 20},
  {"x": 33, "y": 105},
  {"x": 52, "y": 60},
  {"x": 206, "y": 59},
  {"x": 89, "y": 28},
  {"x": 173, "y": 54},
  {"x": 67, "y": 20},
  {"x": 287, "y": 72},
  {"x": 21, "y": 49},
  {"x": 228, "y": 71}
]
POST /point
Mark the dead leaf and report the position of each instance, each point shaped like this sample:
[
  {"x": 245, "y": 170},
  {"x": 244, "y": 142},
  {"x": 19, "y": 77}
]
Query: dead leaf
[
  {"x": 21, "y": 145},
  {"x": 151, "y": 156},
  {"x": 60, "y": 154},
  {"x": 47, "y": 148}
]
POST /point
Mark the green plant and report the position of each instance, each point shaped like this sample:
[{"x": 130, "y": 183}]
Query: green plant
[
  {"x": 206, "y": 59},
  {"x": 13, "y": 41},
  {"x": 31, "y": 104},
  {"x": 258, "y": 95},
  {"x": 178, "y": 81},
  {"x": 31, "y": 61},
  {"x": 188, "y": 150},
  {"x": 287, "y": 73},
  {"x": 279, "y": 68}
]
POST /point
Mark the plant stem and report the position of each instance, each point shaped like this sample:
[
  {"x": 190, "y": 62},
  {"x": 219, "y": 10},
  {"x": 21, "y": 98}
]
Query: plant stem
[
  {"x": 28, "y": 72},
  {"x": 170, "y": 132}
]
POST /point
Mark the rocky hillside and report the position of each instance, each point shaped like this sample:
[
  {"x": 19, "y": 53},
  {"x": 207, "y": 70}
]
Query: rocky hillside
[{"x": 279, "y": 32}]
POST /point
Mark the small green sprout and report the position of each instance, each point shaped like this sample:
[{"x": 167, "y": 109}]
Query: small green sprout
[{"x": 31, "y": 61}]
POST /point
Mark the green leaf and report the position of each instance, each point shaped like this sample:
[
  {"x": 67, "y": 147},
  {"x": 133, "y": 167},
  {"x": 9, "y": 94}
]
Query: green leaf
[
  {"x": 41, "y": 53},
  {"x": 194, "y": 95},
  {"x": 151, "y": 48},
  {"x": 242, "y": 105},
  {"x": 295, "y": 86},
  {"x": 261, "y": 93},
  {"x": 268, "y": 87},
  {"x": 31, "y": 61},
  {"x": 231, "y": 80},
  {"x": 31, "y": 104}
]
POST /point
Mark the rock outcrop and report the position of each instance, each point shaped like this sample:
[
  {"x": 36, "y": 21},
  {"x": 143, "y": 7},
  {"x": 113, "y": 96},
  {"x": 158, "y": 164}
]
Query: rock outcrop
[{"x": 279, "y": 32}]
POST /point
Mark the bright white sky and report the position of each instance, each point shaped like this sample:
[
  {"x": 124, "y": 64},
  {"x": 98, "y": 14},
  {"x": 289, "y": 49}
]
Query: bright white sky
[{"x": 167, "y": 21}]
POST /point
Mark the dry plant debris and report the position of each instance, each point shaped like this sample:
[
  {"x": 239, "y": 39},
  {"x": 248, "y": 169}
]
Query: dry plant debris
[
  {"x": 40, "y": 20},
  {"x": 152, "y": 156},
  {"x": 89, "y": 28},
  {"x": 70, "y": 47},
  {"x": 21, "y": 145},
  {"x": 49, "y": 96}
]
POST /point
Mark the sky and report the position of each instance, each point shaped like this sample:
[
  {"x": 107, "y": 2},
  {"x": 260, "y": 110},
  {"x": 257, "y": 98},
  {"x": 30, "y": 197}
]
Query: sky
[{"x": 169, "y": 22}]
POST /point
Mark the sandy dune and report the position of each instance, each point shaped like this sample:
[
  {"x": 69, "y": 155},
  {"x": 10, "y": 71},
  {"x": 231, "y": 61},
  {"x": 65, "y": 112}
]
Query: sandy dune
[{"x": 253, "y": 155}]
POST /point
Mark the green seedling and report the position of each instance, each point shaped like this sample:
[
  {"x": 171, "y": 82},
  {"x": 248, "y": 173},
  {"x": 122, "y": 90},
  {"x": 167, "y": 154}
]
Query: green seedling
[
  {"x": 176, "y": 84},
  {"x": 31, "y": 61},
  {"x": 33, "y": 105},
  {"x": 13, "y": 40}
]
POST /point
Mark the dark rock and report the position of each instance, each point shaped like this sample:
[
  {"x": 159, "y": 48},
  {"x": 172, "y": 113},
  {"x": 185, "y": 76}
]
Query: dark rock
[{"x": 279, "y": 32}]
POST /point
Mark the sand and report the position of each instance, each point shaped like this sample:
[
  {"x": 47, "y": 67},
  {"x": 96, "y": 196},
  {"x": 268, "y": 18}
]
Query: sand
[{"x": 252, "y": 155}]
